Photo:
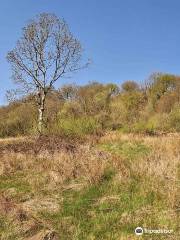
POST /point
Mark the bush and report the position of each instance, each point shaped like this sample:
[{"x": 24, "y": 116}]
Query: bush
[
  {"x": 17, "y": 121},
  {"x": 174, "y": 119},
  {"x": 94, "y": 108},
  {"x": 76, "y": 127},
  {"x": 151, "y": 126},
  {"x": 139, "y": 127}
]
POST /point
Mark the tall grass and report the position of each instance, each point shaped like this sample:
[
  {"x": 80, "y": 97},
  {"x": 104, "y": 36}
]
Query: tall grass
[{"x": 91, "y": 191}]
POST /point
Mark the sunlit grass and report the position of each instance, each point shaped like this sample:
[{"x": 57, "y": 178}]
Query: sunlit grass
[{"x": 121, "y": 184}]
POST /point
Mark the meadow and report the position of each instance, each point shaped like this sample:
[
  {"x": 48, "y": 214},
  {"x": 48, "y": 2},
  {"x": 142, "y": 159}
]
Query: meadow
[
  {"x": 85, "y": 162},
  {"x": 102, "y": 188}
]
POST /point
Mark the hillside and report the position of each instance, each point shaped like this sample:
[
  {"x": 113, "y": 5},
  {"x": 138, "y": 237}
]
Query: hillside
[
  {"x": 102, "y": 188},
  {"x": 89, "y": 129}
]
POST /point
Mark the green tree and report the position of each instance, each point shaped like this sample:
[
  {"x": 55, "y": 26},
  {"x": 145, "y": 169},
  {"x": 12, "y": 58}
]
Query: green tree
[{"x": 159, "y": 85}]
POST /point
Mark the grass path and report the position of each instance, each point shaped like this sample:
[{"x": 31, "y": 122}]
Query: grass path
[{"x": 100, "y": 192}]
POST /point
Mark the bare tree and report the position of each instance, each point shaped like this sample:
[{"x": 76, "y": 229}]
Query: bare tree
[{"x": 46, "y": 52}]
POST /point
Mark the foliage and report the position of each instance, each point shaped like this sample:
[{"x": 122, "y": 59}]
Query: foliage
[
  {"x": 95, "y": 108},
  {"x": 174, "y": 118},
  {"x": 130, "y": 86},
  {"x": 17, "y": 119},
  {"x": 76, "y": 127}
]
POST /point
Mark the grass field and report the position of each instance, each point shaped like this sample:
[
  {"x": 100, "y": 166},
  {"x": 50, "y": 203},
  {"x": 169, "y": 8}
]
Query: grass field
[{"x": 99, "y": 189}]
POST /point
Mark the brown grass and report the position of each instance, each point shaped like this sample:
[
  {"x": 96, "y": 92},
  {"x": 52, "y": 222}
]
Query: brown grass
[{"x": 43, "y": 168}]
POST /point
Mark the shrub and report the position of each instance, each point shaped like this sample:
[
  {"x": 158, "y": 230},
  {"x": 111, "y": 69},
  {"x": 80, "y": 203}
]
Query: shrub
[
  {"x": 76, "y": 127},
  {"x": 151, "y": 126},
  {"x": 130, "y": 86},
  {"x": 139, "y": 127},
  {"x": 174, "y": 118},
  {"x": 18, "y": 121}
]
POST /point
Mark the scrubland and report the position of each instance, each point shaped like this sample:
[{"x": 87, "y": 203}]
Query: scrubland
[
  {"x": 101, "y": 188},
  {"x": 106, "y": 162},
  {"x": 85, "y": 162}
]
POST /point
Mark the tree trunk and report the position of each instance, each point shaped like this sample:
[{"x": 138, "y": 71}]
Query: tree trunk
[{"x": 41, "y": 104}]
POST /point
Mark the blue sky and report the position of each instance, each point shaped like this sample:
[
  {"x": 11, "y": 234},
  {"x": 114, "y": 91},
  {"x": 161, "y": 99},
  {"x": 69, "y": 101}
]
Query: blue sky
[{"x": 126, "y": 39}]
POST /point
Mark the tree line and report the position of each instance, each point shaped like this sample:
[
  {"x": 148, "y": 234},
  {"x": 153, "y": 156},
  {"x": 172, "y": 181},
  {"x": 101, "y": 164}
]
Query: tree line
[{"x": 48, "y": 51}]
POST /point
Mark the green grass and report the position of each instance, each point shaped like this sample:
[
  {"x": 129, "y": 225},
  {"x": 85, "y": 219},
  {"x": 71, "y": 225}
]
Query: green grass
[
  {"x": 130, "y": 150},
  {"x": 93, "y": 213},
  {"x": 15, "y": 186},
  {"x": 108, "y": 210},
  {"x": 8, "y": 229},
  {"x": 16, "y": 181}
]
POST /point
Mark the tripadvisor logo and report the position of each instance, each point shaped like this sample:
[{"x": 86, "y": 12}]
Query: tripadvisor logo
[{"x": 139, "y": 231}]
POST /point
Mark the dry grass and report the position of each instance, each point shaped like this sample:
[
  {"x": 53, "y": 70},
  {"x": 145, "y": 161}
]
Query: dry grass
[
  {"x": 12, "y": 140},
  {"x": 123, "y": 181}
]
